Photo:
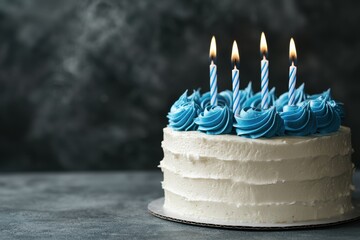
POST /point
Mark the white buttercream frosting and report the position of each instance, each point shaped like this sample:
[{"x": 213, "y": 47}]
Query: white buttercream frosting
[{"x": 281, "y": 179}]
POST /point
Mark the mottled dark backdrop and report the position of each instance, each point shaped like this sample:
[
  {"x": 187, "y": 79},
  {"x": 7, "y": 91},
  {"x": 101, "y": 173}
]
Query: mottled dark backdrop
[{"x": 87, "y": 84}]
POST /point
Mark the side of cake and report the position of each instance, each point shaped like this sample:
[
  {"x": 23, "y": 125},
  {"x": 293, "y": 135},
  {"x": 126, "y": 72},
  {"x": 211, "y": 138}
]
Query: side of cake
[{"x": 282, "y": 179}]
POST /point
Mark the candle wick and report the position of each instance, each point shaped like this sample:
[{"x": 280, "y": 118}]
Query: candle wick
[
  {"x": 292, "y": 64},
  {"x": 264, "y": 57},
  {"x": 212, "y": 62},
  {"x": 235, "y": 68}
]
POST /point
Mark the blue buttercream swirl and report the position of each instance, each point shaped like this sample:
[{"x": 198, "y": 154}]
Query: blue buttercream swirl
[
  {"x": 195, "y": 96},
  {"x": 337, "y": 106},
  {"x": 245, "y": 94},
  {"x": 226, "y": 97},
  {"x": 184, "y": 111},
  {"x": 324, "y": 95},
  {"x": 299, "y": 120},
  {"x": 257, "y": 123},
  {"x": 255, "y": 100},
  {"x": 215, "y": 120},
  {"x": 223, "y": 99},
  {"x": 327, "y": 117},
  {"x": 283, "y": 100}
]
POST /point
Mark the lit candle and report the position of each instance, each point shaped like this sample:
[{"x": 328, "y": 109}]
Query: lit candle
[
  {"x": 264, "y": 73},
  {"x": 235, "y": 60},
  {"x": 292, "y": 72},
  {"x": 213, "y": 73}
]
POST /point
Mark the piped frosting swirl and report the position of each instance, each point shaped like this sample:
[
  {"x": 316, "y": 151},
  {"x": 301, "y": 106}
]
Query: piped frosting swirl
[
  {"x": 184, "y": 111},
  {"x": 215, "y": 120},
  {"x": 326, "y": 94},
  {"x": 256, "y": 123},
  {"x": 255, "y": 100},
  {"x": 298, "y": 120},
  {"x": 328, "y": 119},
  {"x": 245, "y": 94},
  {"x": 283, "y": 100},
  {"x": 224, "y": 98},
  {"x": 337, "y": 106}
]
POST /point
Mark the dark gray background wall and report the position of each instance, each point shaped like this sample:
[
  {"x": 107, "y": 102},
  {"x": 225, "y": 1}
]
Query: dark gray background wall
[{"x": 87, "y": 84}]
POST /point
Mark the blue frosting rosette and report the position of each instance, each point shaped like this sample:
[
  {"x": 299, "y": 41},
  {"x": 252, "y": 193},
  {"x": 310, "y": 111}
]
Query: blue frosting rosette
[
  {"x": 325, "y": 95},
  {"x": 184, "y": 111},
  {"x": 226, "y": 97},
  {"x": 215, "y": 120},
  {"x": 257, "y": 123},
  {"x": 255, "y": 100},
  {"x": 245, "y": 94},
  {"x": 195, "y": 96},
  {"x": 327, "y": 115},
  {"x": 337, "y": 106},
  {"x": 223, "y": 98},
  {"x": 283, "y": 100},
  {"x": 299, "y": 120}
]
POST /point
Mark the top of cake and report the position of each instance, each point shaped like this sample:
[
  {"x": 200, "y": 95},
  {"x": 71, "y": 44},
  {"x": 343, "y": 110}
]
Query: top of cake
[
  {"x": 260, "y": 115},
  {"x": 311, "y": 114}
]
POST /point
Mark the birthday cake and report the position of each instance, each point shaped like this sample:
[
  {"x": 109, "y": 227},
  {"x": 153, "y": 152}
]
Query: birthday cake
[{"x": 283, "y": 163}]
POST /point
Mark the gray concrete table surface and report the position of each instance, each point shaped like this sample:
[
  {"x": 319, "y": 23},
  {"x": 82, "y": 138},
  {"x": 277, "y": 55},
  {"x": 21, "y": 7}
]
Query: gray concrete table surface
[{"x": 111, "y": 205}]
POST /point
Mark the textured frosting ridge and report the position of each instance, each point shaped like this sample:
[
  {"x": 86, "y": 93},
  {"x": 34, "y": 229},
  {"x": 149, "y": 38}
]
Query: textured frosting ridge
[
  {"x": 255, "y": 100},
  {"x": 184, "y": 111},
  {"x": 215, "y": 120},
  {"x": 284, "y": 179},
  {"x": 299, "y": 120},
  {"x": 327, "y": 118},
  {"x": 256, "y": 123},
  {"x": 284, "y": 98}
]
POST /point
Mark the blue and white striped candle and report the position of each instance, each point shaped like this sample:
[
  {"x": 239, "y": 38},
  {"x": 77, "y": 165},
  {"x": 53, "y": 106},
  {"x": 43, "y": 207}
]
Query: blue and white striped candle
[
  {"x": 235, "y": 60},
  {"x": 292, "y": 72},
  {"x": 213, "y": 73},
  {"x": 264, "y": 73}
]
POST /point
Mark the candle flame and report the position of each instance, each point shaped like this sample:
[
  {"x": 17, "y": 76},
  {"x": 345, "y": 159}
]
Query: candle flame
[
  {"x": 263, "y": 44},
  {"x": 235, "y": 57},
  {"x": 212, "y": 53},
  {"x": 292, "y": 50}
]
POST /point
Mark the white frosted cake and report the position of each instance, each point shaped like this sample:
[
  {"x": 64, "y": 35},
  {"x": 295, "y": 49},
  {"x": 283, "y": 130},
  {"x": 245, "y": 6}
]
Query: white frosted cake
[
  {"x": 242, "y": 157},
  {"x": 275, "y": 180}
]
